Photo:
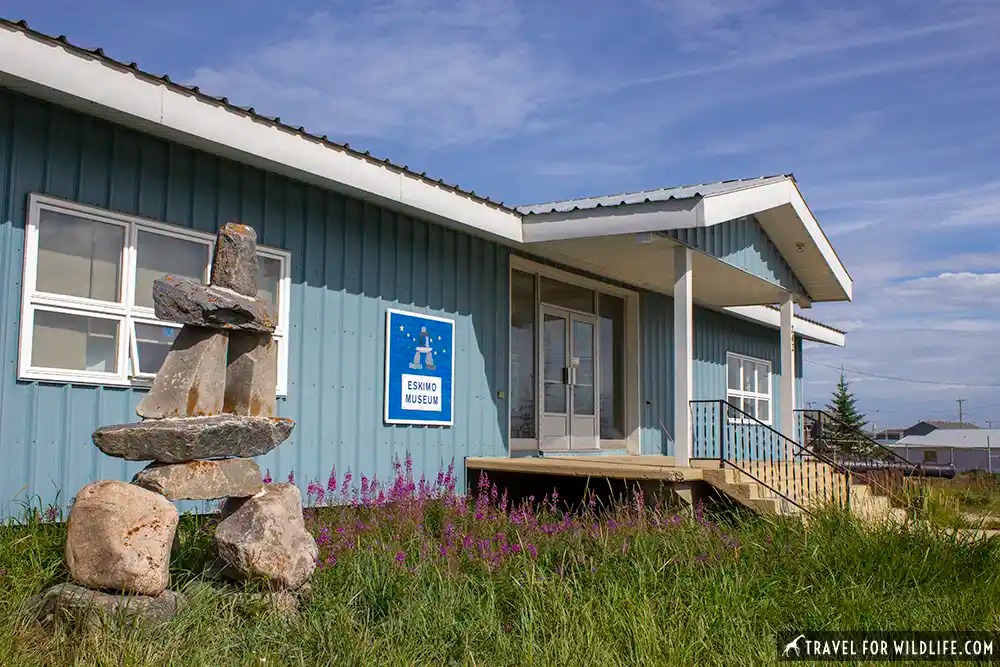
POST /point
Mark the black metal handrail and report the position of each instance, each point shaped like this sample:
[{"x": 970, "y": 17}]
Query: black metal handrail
[
  {"x": 852, "y": 447},
  {"x": 789, "y": 469}
]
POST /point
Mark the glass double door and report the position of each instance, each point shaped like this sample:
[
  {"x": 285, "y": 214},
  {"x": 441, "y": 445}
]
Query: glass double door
[{"x": 568, "y": 359}]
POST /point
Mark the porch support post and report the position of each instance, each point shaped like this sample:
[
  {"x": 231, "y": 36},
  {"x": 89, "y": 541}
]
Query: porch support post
[
  {"x": 787, "y": 407},
  {"x": 683, "y": 354}
]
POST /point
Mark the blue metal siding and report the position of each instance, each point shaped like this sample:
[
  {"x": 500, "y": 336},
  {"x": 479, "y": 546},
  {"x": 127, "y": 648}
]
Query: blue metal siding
[
  {"x": 715, "y": 335},
  {"x": 656, "y": 361},
  {"x": 350, "y": 261},
  {"x": 743, "y": 243}
]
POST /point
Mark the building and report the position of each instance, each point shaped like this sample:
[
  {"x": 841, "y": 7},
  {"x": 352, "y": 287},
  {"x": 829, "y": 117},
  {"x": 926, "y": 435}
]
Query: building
[
  {"x": 577, "y": 326},
  {"x": 930, "y": 425},
  {"x": 966, "y": 449}
]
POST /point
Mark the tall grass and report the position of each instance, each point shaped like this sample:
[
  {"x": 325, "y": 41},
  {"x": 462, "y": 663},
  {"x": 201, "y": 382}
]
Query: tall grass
[
  {"x": 970, "y": 500},
  {"x": 414, "y": 573}
]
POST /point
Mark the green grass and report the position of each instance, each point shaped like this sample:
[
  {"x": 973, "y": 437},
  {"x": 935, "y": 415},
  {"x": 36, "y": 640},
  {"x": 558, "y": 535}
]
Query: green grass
[
  {"x": 617, "y": 590},
  {"x": 970, "y": 500}
]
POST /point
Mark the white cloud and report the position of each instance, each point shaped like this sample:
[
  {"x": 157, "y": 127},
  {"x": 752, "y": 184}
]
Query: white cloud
[{"x": 430, "y": 72}]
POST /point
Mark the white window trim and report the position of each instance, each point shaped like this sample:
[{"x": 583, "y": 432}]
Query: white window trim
[
  {"x": 125, "y": 312},
  {"x": 756, "y": 395}
]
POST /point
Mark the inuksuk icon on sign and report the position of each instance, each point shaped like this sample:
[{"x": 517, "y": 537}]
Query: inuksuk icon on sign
[{"x": 211, "y": 407}]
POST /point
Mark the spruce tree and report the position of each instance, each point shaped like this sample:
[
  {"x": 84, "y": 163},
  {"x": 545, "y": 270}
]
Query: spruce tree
[{"x": 847, "y": 430}]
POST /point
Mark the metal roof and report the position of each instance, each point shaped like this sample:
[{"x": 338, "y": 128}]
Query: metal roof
[
  {"x": 99, "y": 54},
  {"x": 967, "y": 438},
  {"x": 647, "y": 196}
]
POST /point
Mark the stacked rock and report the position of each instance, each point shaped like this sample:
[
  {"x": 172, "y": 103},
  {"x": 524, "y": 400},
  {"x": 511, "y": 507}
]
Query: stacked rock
[{"x": 211, "y": 406}]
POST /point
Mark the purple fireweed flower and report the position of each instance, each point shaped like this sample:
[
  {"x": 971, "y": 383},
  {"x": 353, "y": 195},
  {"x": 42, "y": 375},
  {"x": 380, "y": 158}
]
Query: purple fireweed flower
[
  {"x": 267, "y": 476},
  {"x": 314, "y": 490},
  {"x": 345, "y": 488},
  {"x": 532, "y": 549},
  {"x": 400, "y": 557},
  {"x": 291, "y": 477},
  {"x": 331, "y": 482}
]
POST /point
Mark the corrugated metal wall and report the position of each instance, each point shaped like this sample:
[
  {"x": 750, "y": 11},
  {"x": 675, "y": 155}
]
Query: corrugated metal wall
[
  {"x": 715, "y": 335},
  {"x": 744, "y": 244},
  {"x": 350, "y": 261}
]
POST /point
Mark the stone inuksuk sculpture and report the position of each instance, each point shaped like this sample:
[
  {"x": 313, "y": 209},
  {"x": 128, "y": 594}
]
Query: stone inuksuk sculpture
[{"x": 211, "y": 407}]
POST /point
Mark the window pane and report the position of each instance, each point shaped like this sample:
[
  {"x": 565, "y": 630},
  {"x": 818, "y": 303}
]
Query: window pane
[
  {"x": 79, "y": 256},
  {"x": 522, "y": 355},
  {"x": 157, "y": 255},
  {"x": 749, "y": 376},
  {"x": 734, "y": 373},
  {"x": 763, "y": 379},
  {"x": 750, "y": 407},
  {"x": 583, "y": 400},
  {"x": 612, "y": 337},
  {"x": 731, "y": 411},
  {"x": 152, "y": 343},
  {"x": 554, "y": 334},
  {"x": 568, "y": 296},
  {"x": 268, "y": 279},
  {"x": 763, "y": 410},
  {"x": 74, "y": 342}
]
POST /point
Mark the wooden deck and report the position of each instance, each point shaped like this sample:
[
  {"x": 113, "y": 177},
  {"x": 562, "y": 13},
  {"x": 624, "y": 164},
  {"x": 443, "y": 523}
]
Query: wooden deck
[{"x": 647, "y": 467}]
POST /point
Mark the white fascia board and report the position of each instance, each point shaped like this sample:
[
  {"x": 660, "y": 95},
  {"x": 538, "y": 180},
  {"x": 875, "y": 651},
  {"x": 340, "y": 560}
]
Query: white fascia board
[
  {"x": 772, "y": 318},
  {"x": 731, "y": 205},
  {"x": 41, "y": 69},
  {"x": 612, "y": 220}
]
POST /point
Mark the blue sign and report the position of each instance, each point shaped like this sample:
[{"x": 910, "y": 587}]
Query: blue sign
[{"x": 419, "y": 369}]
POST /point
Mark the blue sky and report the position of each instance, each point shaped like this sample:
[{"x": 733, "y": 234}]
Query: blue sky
[{"x": 886, "y": 111}]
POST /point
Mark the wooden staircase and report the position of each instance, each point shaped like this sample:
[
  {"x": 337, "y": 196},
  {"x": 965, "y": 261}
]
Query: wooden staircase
[{"x": 804, "y": 485}]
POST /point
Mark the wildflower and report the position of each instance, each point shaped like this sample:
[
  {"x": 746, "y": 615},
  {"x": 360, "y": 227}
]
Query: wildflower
[
  {"x": 400, "y": 557},
  {"x": 331, "y": 482},
  {"x": 267, "y": 476},
  {"x": 533, "y": 550},
  {"x": 291, "y": 477},
  {"x": 314, "y": 490}
]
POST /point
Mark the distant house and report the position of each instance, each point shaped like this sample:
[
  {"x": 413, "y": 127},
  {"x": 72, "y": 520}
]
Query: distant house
[
  {"x": 885, "y": 435},
  {"x": 966, "y": 449},
  {"x": 925, "y": 427}
]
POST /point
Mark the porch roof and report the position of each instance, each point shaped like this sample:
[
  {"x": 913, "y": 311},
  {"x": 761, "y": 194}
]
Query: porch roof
[{"x": 774, "y": 202}]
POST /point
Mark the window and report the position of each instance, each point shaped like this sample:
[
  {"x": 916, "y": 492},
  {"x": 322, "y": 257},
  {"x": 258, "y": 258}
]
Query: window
[
  {"x": 611, "y": 310},
  {"x": 87, "y": 307},
  {"x": 930, "y": 456},
  {"x": 749, "y": 387}
]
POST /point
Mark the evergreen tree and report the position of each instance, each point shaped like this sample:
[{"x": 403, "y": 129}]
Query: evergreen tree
[{"x": 846, "y": 431}]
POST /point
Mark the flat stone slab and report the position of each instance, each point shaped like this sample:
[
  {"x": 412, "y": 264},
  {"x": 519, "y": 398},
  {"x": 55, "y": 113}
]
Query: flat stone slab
[
  {"x": 192, "y": 380},
  {"x": 184, "y": 300},
  {"x": 118, "y": 538},
  {"x": 186, "y": 439},
  {"x": 202, "y": 480},
  {"x": 234, "y": 264},
  {"x": 69, "y": 602}
]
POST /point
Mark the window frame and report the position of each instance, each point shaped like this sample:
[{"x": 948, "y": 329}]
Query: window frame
[
  {"x": 743, "y": 393},
  {"x": 124, "y": 311}
]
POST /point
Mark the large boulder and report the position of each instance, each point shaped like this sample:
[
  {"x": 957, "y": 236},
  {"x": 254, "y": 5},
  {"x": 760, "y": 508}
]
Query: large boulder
[
  {"x": 265, "y": 539},
  {"x": 187, "y": 301},
  {"x": 252, "y": 375},
  {"x": 186, "y": 439},
  {"x": 82, "y": 605},
  {"x": 201, "y": 480},
  {"x": 192, "y": 380},
  {"x": 234, "y": 265},
  {"x": 119, "y": 538}
]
